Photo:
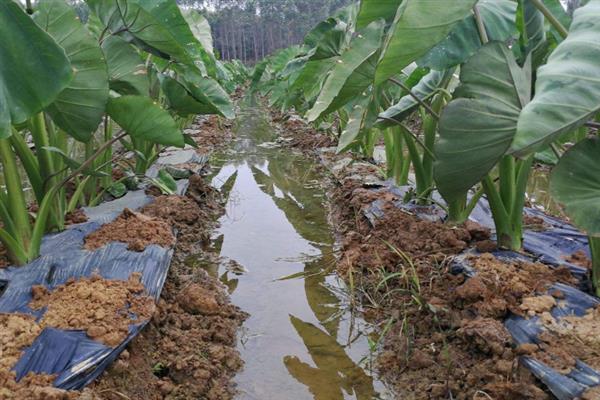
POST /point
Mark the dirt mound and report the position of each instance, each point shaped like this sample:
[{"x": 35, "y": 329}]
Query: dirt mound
[
  {"x": 188, "y": 349},
  {"x": 134, "y": 229},
  {"x": 500, "y": 287},
  {"x": 447, "y": 339},
  {"x": 101, "y": 307},
  {"x": 299, "y": 134},
  {"x": 210, "y": 132}
]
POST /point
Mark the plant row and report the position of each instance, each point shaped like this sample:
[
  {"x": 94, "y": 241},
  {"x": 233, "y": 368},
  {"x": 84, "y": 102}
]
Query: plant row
[
  {"x": 496, "y": 84},
  {"x": 133, "y": 75}
]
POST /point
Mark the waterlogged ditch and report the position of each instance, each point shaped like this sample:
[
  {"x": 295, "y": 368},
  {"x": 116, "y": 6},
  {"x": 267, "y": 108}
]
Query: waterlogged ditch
[{"x": 302, "y": 340}]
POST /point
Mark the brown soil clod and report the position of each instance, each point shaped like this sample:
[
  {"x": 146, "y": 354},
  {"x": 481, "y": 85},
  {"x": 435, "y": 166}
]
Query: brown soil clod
[
  {"x": 98, "y": 306},
  {"x": 136, "y": 230}
]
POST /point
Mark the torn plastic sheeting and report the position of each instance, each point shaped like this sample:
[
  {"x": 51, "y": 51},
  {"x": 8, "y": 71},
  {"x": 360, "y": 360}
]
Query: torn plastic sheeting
[
  {"x": 580, "y": 378},
  {"x": 561, "y": 386},
  {"x": 78, "y": 359},
  {"x": 71, "y": 355}
]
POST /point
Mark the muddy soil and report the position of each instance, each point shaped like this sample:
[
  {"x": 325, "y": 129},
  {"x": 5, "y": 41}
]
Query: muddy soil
[
  {"x": 188, "y": 349},
  {"x": 444, "y": 336},
  {"x": 297, "y": 134},
  {"x": 210, "y": 133},
  {"x": 102, "y": 308},
  {"x": 136, "y": 230}
]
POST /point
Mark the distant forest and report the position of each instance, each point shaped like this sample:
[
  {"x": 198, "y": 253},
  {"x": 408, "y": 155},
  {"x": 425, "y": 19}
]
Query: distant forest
[{"x": 249, "y": 30}]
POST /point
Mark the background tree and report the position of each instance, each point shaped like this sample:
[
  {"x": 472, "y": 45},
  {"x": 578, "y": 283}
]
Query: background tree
[{"x": 249, "y": 30}]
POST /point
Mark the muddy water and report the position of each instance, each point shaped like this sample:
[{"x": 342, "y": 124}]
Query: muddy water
[{"x": 301, "y": 340}]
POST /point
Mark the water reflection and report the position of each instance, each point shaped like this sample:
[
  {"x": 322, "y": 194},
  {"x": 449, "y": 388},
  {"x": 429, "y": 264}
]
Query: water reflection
[
  {"x": 335, "y": 372},
  {"x": 276, "y": 226}
]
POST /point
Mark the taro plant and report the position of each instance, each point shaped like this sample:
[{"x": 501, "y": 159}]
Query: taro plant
[
  {"x": 527, "y": 85},
  {"x": 65, "y": 82}
]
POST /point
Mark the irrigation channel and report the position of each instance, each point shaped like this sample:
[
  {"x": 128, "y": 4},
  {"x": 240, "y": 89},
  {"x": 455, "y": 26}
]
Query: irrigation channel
[{"x": 301, "y": 341}]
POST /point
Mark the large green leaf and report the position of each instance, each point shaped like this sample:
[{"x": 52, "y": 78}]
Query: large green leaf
[
  {"x": 127, "y": 72},
  {"x": 146, "y": 28},
  {"x": 419, "y": 25},
  {"x": 532, "y": 30},
  {"x": 575, "y": 183},
  {"x": 208, "y": 92},
  {"x": 476, "y": 128},
  {"x": 201, "y": 29},
  {"x": 361, "y": 119},
  {"x": 79, "y": 108},
  {"x": 180, "y": 100},
  {"x": 327, "y": 39},
  {"x": 567, "y": 89},
  {"x": 143, "y": 119},
  {"x": 463, "y": 41},
  {"x": 372, "y": 10},
  {"x": 423, "y": 90},
  {"x": 361, "y": 49},
  {"x": 34, "y": 69},
  {"x": 312, "y": 76}
]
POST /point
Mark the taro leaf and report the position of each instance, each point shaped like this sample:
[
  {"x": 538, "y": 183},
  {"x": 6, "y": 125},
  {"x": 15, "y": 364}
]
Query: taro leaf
[
  {"x": 279, "y": 61},
  {"x": 259, "y": 71},
  {"x": 476, "y": 128},
  {"x": 575, "y": 183},
  {"x": 372, "y": 10},
  {"x": 463, "y": 41},
  {"x": 327, "y": 39},
  {"x": 312, "y": 76},
  {"x": 419, "y": 26},
  {"x": 201, "y": 29},
  {"x": 34, "y": 69},
  {"x": 74, "y": 164},
  {"x": 127, "y": 71},
  {"x": 363, "y": 114},
  {"x": 143, "y": 119},
  {"x": 567, "y": 91},
  {"x": 423, "y": 90},
  {"x": 117, "y": 189},
  {"x": 135, "y": 24},
  {"x": 360, "y": 79},
  {"x": 79, "y": 108},
  {"x": 530, "y": 23},
  {"x": 165, "y": 182},
  {"x": 361, "y": 49},
  {"x": 189, "y": 140},
  {"x": 179, "y": 99},
  {"x": 208, "y": 92},
  {"x": 169, "y": 15}
]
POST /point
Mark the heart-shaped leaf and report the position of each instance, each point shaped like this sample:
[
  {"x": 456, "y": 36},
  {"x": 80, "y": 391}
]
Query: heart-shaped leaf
[
  {"x": 127, "y": 71},
  {"x": 143, "y": 119},
  {"x": 418, "y": 27},
  {"x": 476, "y": 128},
  {"x": 463, "y": 41},
  {"x": 79, "y": 108},
  {"x": 339, "y": 86},
  {"x": 34, "y": 69},
  {"x": 575, "y": 183},
  {"x": 567, "y": 90}
]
